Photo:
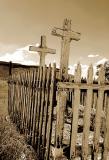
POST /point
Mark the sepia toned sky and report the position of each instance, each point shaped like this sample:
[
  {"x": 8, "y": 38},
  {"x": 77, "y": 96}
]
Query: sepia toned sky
[{"x": 22, "y": 22}]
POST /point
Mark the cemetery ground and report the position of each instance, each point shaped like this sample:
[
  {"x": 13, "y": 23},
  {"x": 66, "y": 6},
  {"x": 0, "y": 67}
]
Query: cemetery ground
[{"x": 13, "y": 146}]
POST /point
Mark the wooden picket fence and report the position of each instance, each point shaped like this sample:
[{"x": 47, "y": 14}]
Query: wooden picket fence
[
  {"x": 89, "y": 140},
  {"x": 49, "y": 113},
  {"x": 31, "y": 101}
]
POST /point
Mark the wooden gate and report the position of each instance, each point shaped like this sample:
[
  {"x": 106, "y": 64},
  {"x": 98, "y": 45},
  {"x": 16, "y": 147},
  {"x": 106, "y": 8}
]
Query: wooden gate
[{"x": 82, "y": 128}]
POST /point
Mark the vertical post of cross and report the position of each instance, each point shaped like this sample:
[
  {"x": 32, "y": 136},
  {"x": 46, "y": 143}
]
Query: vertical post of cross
[
  {"x": 42, "y": 50},
  {"x": 67, "y": 35}
]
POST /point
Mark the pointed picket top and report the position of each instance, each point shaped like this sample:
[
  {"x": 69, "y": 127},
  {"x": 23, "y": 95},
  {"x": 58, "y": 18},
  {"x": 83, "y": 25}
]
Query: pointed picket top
[
  {"x": 101, "y": 76},
  {"x": 77, "y": 76},
  {"x": 90, "y": 74},
  {"x": 54, "y": 65}
]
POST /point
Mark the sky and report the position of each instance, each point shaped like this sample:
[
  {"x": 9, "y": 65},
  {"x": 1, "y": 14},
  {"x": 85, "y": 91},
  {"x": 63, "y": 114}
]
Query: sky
[{"x": 22, "y": 22}]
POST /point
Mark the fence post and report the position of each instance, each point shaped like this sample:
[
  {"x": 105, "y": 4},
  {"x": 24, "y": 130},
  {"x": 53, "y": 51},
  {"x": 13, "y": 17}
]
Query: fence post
[
  {"x": 50, "y": 112},
  {"x": 99, "y": 108},
  {"x": 87, "y": 116},
  {"x": 75, "y": 108},
  {"x": 60, "y": 110}
]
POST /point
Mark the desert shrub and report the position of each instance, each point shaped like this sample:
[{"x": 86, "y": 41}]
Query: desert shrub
[{"x": 13, "y": 146}]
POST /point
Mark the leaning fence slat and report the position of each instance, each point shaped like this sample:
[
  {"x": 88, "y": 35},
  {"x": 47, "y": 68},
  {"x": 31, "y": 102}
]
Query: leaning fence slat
[
  {"x": 17, "y": 102},
  {"x": 35, "y": 107},
  {"x": 76, "y": 103},
  {"x": 87, "y": 115},
  {"x": 42, "y": 108},
  {"x": 21, "y": 102},
  {"x": 49, "y": 127},
  {"x": 99, "y": 108},
  {"x": 46, "y": 107},
  {"x": 32, "y": 103},
  {"x": 28, "y": 100},
  {"x": 38, "y": 106},
  {"x": 24, "y": 102}
]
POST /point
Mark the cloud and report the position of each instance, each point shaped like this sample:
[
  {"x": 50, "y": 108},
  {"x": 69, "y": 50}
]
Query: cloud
[
  {"x": 22, "y": 56},
  {"x": 83, "y": 67},
  {"x": 84, "y": 70},
  {"x": 93, "y": 55},
  {"x": 102, "y": 61}
]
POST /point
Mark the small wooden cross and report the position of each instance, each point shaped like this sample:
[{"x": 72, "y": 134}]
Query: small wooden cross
[
  {"x": 67, "y": 35},
  {"x": 43, "y": 50}
]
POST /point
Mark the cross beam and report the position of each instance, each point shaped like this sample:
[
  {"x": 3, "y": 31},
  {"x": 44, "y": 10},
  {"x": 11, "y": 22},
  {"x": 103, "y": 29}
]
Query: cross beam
[
  {"x": 67, "y": 35},
  {"x": 42, "y": 50}
]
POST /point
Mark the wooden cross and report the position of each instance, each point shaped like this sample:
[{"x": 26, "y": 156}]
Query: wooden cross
[
  {"x": 43, "y": 50},
  {"x": 67, "y": 36}
]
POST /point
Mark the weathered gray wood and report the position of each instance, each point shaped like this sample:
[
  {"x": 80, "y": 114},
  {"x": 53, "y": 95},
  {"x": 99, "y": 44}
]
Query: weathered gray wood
[
  {"x": 87, "y": 115},
  {"x": 99, "y": 109},
  {"x": 60, "y": 111},
  {"x": 38, "y": 106},
  {"x": 75, "y": 106},
  {"x": 47, "y": 96},
  {"x": 67, "y": 36},
  {"x": 35, "y": 107},
  {"x": 69, "y": 85},
  {"x": 49, "y": 126},
  {"x": 23, "y": 102},
  {"x": 94, "y": 99},
  {"x": 27, "y": 102},
  {"x": 42, "y": 108},
  {"x": 42, "y": 50},
  {"x": 30, "y": 90}
]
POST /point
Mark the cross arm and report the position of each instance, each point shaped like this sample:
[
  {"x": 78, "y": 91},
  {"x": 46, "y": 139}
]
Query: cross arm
[
  {"x": 75, "y": 35},
  {"x": 57, "y": 32},
  {"x": 33, "y": 48},
  {"x": 44, "y": 50},
  {"x": 51, "y": 51}
]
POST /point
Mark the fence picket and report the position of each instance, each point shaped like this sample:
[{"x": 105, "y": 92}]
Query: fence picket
[
  {"x": 49, "y": 126},
  {"x": 46, "y": 109},
  {"x": 87, "y": 115},
  {"x": 99, "y": 108},
  {"x": 61, "y": 105},
  {"x": 38, "y": 106},
  {"x": 35, "y": 107},
  {"x": 76, "y": 103},
  {"x": 42, "y": 108},
  {"x": 32, "y": 97}
]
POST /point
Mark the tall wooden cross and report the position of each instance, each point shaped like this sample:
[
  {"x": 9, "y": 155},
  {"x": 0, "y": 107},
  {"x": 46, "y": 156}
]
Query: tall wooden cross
[
  {"x": 67, "y": 35},
  {"x": 42, "y": 50}
]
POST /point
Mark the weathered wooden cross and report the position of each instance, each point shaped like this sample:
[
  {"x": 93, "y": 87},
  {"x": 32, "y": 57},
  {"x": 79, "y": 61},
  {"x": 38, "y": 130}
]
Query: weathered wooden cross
[
  {"x": 43, "y": 50},
  {"x": 67, "y": 36}
]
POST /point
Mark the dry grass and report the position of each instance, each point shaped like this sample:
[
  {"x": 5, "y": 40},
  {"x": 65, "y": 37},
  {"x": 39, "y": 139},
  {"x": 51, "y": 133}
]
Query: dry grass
[{"x": 12, "y": 145}]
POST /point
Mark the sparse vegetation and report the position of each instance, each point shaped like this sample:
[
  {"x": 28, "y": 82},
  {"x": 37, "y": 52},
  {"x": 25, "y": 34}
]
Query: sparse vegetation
[{"x": 13, "y": 146}]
